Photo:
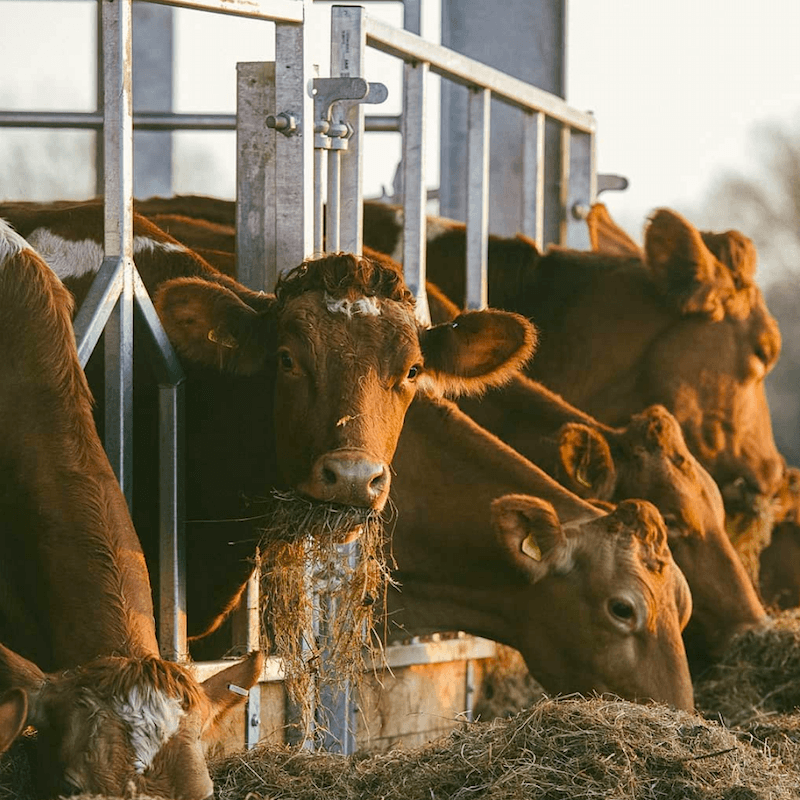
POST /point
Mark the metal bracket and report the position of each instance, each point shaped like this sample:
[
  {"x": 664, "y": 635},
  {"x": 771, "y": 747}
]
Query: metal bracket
[
  {"x": 283, "y": 122},
  {"x": 332, "y": 134}
]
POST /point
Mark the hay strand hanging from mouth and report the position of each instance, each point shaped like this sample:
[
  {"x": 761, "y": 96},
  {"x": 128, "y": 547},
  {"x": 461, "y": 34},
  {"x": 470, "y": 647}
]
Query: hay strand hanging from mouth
[{"x": 320, "y": 597}]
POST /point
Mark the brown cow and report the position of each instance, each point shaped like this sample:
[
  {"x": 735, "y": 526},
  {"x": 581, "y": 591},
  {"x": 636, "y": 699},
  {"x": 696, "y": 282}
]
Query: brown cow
[
  {"x": 780, "y": 562},
  {"x": 593, "y": 601},
  {"x": 306, "y": 390},
  {"x": 686, "y": 328},
  {"x": 75, "y": 600},
  {"x": 646, "y": 459}
]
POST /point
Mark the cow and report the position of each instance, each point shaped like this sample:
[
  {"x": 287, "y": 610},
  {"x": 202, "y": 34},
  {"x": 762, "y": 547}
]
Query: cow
[
  {"x": 79, "y": 659},
  {"x": 685, "y": 327},
  {"x": 605, "y": 236},
  {"x": 305, "y": 389},
  {"x": 593, "y": 600},
  {"x": 779, "y": 562}
]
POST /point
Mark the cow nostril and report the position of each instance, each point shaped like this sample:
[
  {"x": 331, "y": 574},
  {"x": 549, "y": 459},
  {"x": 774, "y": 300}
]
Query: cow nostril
[
  {"x": 378, "y": 483},
  {"x": 329, "y": 476}
]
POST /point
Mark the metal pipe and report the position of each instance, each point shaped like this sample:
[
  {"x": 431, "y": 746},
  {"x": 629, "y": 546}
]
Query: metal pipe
[
  {"x": 319, "y": 200},
  {"x": 478, "y": 115},
  {"x": 270, "y": 10},
  {"x": 118, "y": 237},
  {"x": 333, "y": 219},
  {"x": 467, "y": 71},
  {"x": 533, "y": 176},
  {"x": 414, "y": 194}
]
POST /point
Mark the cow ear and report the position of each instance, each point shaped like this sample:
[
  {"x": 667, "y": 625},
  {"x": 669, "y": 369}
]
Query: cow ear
[
  {"x": 209, "y": 324},
  {"x": 736, "y": 252},
  {"x": 586, "y": 464},
  {"x": 476, "y": 350},
  {"x": 530, "y": 533},
  {"x": 228, "y": 688},
  {"x": 13, "y": 716},
  {"x": 21, "y": 682},
  {"x": 684, "y": 269},
  {"x": 607, "y": 237}
]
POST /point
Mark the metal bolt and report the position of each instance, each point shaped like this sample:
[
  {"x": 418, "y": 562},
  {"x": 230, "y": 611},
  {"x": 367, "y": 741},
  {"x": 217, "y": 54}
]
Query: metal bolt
[{"x": 283, "y": 122}]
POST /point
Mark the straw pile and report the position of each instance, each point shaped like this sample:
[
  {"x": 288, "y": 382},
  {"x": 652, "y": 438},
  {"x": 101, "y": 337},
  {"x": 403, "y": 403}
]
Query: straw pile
[
  {"x": 569, "y": 748},
  {"x": 758, "y": 677}
]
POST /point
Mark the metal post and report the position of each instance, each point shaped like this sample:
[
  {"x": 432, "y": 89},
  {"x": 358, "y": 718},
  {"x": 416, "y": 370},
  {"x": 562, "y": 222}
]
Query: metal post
[
  {"x": 563, "y": 184},
  {"x": 348, "y": 48},
  {"x": 582, "y": 189},
  {"x": 256, "y": 245},
  {"x": 118, "y": 149},
  {"x": 478, "y": 198},
  {"x": 415, "y": 195},
  {"x": 333, "y": 218},
  {"x": 294, "y": 157},
  {"x": 319, "y": 199},
  {"x": 533, "y": 177}
]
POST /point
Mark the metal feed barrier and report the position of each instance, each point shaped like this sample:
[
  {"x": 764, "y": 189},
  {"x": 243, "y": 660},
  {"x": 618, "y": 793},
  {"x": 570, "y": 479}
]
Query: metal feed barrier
[{"x": 285, "y": 133}]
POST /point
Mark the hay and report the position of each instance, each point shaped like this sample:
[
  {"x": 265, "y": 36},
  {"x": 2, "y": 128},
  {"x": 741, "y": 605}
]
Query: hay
[
  {"x": 328, "y": 644},
  {"x": 568, "y": 748},
  {"x": 758, "y": 676}
]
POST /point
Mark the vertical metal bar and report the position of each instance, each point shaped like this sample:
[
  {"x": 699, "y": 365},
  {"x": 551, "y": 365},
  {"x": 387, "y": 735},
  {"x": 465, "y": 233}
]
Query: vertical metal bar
[
  {"x": 415, "y": 195},
  {"x": 172, "y": 548},
  {"x": 256, "y": 246},
  {"x": 469, "y": 691},
  {"x": 118, "y": 150},
  {"x": 348, "y": 48},
  {"x": 319, "y": 199},
  {"x": 478, "y": 116},
  {"x": 246, "y": 637},
  {"x": 99, "y": 161},
  {"x": 333, "y": 220},
  {"x": 294, "y": 155},
  {"x": 533, "y": 177},
  {"x": 582, "y": 183},
  {"x": 563, "y": 186}
]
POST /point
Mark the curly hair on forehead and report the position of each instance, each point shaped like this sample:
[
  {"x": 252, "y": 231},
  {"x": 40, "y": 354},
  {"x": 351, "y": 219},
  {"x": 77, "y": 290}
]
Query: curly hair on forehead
[{"x": 345, "y": 275}]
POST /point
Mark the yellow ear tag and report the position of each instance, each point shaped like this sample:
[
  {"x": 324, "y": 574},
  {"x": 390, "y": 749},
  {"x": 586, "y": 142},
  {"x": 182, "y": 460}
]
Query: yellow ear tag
[
  {"x": 530, "y": 548},
  {"x": 223, "y": 339},
  {"x": 580, "y": 476}
]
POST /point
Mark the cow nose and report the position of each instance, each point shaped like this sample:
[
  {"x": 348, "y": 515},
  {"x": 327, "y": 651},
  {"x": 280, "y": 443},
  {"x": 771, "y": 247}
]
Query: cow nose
[{"x": 350, "y": 478}]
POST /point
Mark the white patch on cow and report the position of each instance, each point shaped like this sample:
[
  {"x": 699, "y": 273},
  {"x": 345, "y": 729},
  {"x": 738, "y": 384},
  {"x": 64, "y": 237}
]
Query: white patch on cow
[
  {"x": 152, "y": 718},
  {"x": 67, "y": 258},
  {"x": 141, "y": 243},
  {"x": 368, "y": 306},
  {"x": 11, "y": 243}
]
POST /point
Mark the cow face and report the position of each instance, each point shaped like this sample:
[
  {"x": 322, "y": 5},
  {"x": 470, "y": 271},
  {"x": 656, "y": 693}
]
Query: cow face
[
  {"x": 118, "y": 723},
  {"x": 346, "y": 356},
  {"x": 649, "y": 459},
  {"x": 615, "y": 601},
  {"x": 709, "y": 370}
]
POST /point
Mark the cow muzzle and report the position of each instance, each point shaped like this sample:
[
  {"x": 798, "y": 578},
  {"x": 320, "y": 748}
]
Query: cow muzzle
[{"x": 349, "y": 477}]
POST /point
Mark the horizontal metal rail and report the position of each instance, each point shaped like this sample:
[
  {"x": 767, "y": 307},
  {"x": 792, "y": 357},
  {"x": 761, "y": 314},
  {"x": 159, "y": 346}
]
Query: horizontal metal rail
[
  {"x": 269, "y": 10},
  {"x": 468, "y": 72},
  {"x": 153, "y": 121}
]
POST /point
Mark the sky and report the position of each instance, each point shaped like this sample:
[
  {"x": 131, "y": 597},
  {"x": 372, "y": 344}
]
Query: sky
[{"x": 677, "y": 88}]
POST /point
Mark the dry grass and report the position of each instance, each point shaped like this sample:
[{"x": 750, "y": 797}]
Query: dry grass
[
  {"x": 326, "y": 643},
  {"x": 568, "y": 748},
  {"x": 758, "y": 677}
]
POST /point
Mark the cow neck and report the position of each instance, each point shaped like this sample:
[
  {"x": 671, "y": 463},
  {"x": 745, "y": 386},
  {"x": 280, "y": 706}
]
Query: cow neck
[
  {"x": 452, "y": 571},
  {"x": 89, "y": 581},
  {"x": 584, "y": 305}
]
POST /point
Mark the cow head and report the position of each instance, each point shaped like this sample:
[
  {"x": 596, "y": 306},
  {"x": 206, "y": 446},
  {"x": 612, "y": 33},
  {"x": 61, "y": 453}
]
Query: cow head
[
  {"x": 346, "y": 355},
  {"x": 649, "y": 459},
  {"x": 615, "y": 601},
  {"x": 117, "y": 723},
  {"x": 709, "y": 370}
]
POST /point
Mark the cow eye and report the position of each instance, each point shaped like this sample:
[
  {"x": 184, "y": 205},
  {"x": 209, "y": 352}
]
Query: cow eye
[
  {"x": 413, "y": 372},
  {"x": 66, "y": 788},
  {"x": 621, "y": 609},
  {"x": 286, "y": 361}
]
